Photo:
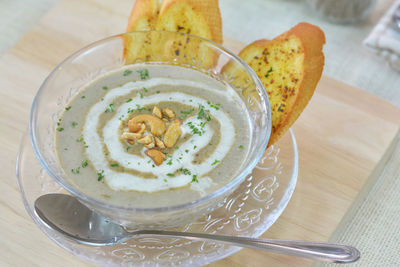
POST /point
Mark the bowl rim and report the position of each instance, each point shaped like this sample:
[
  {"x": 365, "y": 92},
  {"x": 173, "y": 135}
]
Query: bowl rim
[{"x": 76, "y": 192}]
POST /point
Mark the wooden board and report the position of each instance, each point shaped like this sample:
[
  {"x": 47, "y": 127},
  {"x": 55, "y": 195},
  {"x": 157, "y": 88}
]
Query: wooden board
[{"x": 343, "y": 136}]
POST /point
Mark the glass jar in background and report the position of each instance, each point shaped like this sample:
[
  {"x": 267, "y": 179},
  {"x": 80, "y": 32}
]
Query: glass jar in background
[{"x": 343, "y": 11}]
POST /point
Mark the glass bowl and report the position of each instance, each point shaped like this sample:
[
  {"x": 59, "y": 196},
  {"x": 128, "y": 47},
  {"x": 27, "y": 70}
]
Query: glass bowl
[
  {"x": 107, "y": 55},
  {"x": 249, "y": 211}
]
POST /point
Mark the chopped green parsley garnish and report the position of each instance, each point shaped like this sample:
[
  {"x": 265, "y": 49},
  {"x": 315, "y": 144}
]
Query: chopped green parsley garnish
[
  {"x": 68, "y": 108},
  {"x": 75, "y": 171},
  {"x": 127, "y": 148},
  {"x": 80, "y": 139},
  {"x": 105, "y": 87},
  {"x": 145, "y": 89},
  {"x": 83, "y": 97},
  {"x": 158, "y": 92},
  {"x": 144, "y": 74},
  {"x": 129, "y": 100},
  {"x": 114, "y": 165},
  {"x": 240, "y": 147},
  {"x": 84, "y": 163},
  {"x": 170, "y": 174},
  {"x": 140, "y": 94},
  {"x": 185, "y": 113},
  {"x": 194, "y": 129},
  {"x": 194, "y": 178},
  {"x": 201, "y": 112},
  {"x": 185, "y": 172},
  {"x": 215, "y": 162},
  {"x": 194, "y": 147},
  {"x": 127, "y": 72},
  {"x": 100, "y": 175},
  {"x": 165, "y": 180},
  {"x": 216, "y": 106},
  {"x": 187, "y": 150},
  {"x": 139, "y": 108},
  {"x": 74, "y": 123},
  {"x": 60, "y": 129},
  {"x": 110, "y": 108},
  {"x": 268, "y": 73},
  {"x": 169, "y": 162}
]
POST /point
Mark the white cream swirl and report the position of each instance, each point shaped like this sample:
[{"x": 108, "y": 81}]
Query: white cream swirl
[{"x": 182, "y": 157}]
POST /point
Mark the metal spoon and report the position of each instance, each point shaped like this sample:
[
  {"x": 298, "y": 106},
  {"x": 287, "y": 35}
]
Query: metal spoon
[{"x": 68, "y": 216}]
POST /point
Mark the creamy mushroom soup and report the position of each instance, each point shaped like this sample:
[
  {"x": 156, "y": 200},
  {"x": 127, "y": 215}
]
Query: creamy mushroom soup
[{"x": 152, "y": 136}]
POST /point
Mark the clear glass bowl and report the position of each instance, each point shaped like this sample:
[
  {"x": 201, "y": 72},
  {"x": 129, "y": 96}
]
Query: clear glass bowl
[
  {"x": 249, "y": 211},
  {"x": 68, "y": 78}
]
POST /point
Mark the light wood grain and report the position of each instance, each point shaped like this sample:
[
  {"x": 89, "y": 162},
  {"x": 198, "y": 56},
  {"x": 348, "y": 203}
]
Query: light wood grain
[{"x": 342, "y": 136}]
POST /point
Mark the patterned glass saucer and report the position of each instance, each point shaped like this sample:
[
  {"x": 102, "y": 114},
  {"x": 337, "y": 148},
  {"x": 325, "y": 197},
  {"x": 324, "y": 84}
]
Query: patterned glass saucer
[{"x": 249, "y": 211}]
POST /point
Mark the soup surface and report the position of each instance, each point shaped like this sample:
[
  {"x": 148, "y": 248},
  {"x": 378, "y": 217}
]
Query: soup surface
[{"x": 152, "y": 136}]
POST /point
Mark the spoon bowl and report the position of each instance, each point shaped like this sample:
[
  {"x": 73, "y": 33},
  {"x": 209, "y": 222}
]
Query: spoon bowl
[{"x": 70, "y": 217}]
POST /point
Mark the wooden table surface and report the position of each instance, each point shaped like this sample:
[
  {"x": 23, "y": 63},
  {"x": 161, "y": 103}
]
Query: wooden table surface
[{"x": 343, "y": 137}]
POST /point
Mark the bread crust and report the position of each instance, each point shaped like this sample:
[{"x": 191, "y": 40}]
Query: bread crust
[
  {"x": 208, "y": 10},
  {"x": 143, "y": 16},
  {"x": 196, "y": 17},
  {"x": 289, "y": 66},
  {"x": 313, "y": 40}
]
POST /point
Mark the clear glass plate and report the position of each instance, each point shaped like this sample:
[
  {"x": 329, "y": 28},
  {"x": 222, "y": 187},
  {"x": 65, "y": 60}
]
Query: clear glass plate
[{"x": 249, "y": 211}]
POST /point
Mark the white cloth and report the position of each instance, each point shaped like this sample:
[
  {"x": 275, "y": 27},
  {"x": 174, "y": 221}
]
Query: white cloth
[{"x": 384, "y": 40}]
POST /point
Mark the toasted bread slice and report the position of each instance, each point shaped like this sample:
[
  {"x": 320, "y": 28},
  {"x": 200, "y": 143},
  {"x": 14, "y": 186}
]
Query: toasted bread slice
[
  {"x": 144, "y": 15},
  {"x": 289, "y": 67},
  {"x": 143, "y": 18},
  {"x": 200, "y": 18}
]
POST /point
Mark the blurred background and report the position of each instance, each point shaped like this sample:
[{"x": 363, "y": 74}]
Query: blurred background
[
  {"x": 346, "y": 23},
  {"x": 348, "y": 26}
]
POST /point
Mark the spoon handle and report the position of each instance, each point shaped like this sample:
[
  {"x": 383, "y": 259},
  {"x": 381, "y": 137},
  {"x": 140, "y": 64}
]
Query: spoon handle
[{"x": 314, "y": 250}]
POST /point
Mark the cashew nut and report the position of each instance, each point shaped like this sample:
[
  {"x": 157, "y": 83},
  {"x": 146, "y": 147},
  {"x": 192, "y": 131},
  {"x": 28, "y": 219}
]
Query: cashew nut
[
  {"x": 142, "y": 128},
  {"x": 157, "y": 126},
  {"x": 157, "y": 112},
  {"x": 169, "y": 113},
  {"x": 151, "y": 145},
  {"x": 156, "y": 155},
  {"x": 131, "y": 136},
  {"x": 173, "y": 133},
  {"x": 159, "y": 143},
  {"x": 146, "y": 140}
]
